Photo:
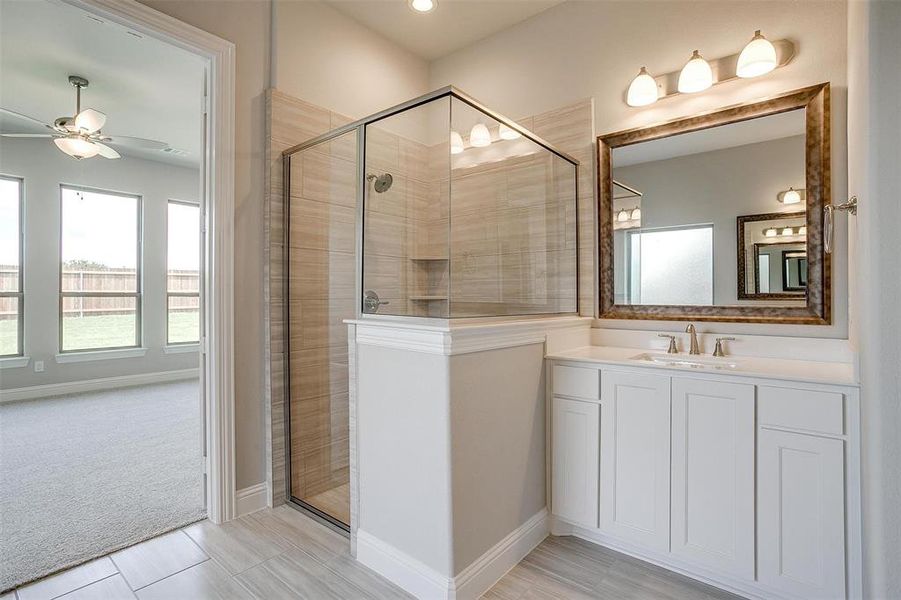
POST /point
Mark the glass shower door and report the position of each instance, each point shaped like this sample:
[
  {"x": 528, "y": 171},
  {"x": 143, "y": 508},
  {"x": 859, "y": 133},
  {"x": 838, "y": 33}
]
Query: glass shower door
[{"x": 320, "y": 264}]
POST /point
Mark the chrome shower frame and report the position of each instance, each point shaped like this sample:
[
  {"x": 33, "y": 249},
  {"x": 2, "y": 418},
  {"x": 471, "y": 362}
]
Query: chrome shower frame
[{"x": 362, "y": 183}]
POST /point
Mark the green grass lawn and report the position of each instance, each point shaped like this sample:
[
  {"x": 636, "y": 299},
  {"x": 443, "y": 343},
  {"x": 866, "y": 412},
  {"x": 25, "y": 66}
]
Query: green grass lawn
[{"x": 105, "y": 331}]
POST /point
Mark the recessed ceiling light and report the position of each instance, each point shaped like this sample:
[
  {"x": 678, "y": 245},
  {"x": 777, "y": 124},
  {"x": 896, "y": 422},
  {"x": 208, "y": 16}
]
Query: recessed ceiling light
[{"x": 423, "y": 6}]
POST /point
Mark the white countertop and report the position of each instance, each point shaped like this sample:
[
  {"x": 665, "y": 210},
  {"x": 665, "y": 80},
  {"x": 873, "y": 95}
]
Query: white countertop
[{"x": 832, "y": 373}]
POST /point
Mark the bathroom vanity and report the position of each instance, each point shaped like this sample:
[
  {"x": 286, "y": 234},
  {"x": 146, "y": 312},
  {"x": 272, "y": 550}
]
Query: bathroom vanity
[{"x": 740, "y": 472}]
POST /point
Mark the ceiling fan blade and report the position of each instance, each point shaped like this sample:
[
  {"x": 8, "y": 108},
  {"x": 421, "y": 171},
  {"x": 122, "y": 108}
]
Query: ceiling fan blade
[
  {"x": 26, "y": 135},
  {"x": 90, "y": 120},
  {"x": 134, "y": 142},
  {"x": 106, "y": 151},
  {"x": 12, "y": 113}
]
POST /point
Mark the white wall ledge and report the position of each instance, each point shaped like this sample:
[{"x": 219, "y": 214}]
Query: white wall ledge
[
  {"x": 92, "y": 355},
  {"x": 462, "y": 336},
  {"x": 14, "y": 362}
]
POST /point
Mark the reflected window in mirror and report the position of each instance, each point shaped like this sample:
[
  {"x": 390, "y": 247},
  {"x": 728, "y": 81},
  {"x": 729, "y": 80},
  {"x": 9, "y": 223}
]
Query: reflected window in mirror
[{"x": 670, "y": 266}]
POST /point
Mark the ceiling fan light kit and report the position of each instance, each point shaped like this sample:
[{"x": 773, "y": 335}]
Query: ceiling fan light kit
[{"x": 80, "y": 136}]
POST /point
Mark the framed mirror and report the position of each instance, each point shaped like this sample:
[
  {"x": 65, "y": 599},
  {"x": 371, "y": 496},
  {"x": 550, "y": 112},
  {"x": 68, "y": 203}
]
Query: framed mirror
[{"x": 718, "y": 217}]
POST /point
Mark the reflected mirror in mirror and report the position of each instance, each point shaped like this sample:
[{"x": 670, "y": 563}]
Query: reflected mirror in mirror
[
  {"x": 675, "y": 204},
  {"x": 763, "y": 243}
]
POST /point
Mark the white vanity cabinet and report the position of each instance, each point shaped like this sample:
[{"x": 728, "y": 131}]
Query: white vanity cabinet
[
  {"x": 744, "y": 482},
  {"x": 575, "y": 462},
  {"x": 635, "y": 457},
  {"x": 713, "y": 474}
]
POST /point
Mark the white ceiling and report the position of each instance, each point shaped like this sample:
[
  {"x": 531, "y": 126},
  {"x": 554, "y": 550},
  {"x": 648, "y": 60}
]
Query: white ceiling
[
  {"x": 147, "y": 89},
  {"x": 452, "y": 25},
  {"x": 762, "y": 129}
]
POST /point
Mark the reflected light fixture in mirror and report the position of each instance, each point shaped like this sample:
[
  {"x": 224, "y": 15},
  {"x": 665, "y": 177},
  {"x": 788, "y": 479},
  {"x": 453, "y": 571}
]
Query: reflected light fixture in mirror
[
  {"x": 788, "y": 231},
  {"x": 636, "y": 214},
  {"x": 642, "y": 90},
  {"x": 771, "y": 232},
  {"x": 507, "y": 133},
  {"x": 423, "y": 6},
  {"x": 456, "y": 142},
  {"x": 790, "y": 196},
  {"x": 622, "y": 216},
  {"x": 757, "y": 58},
  {"x": 479, "y": 136},
  {"x": 696, "y": 75},
  {"x": 802, "y": 230}
]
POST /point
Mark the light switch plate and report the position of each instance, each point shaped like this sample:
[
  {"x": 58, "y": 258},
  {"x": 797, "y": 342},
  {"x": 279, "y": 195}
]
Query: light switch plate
[{"x": 38, "y": 366}]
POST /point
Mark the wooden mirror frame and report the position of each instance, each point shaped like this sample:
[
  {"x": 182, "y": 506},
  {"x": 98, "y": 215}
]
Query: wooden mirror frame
[
  {"x": 741, "y": 267},
  {"x": 818, "y": 311}
]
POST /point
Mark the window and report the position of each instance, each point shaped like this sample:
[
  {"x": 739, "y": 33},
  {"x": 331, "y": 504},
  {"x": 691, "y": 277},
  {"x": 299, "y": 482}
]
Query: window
[
  {"x": 100, "y": 277},
  {"x": 671, "y": 266},
  {"x": 11, "y": 296},
  {"x": 183, "y": 274}
]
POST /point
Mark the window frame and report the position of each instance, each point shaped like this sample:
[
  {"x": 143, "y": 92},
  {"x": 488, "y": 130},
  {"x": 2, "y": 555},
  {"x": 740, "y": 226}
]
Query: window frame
[
  {"x": 20, "y": 293},
  {"x": 139, "y": 271},
  {"x": 199, "y": 269}
]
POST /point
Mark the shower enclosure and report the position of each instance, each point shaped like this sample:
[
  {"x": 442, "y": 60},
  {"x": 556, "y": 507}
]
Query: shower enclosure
[{"x": 436, "y": 208}]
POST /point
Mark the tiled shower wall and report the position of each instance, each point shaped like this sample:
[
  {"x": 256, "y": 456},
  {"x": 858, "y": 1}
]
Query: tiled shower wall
[{"x": 416, "y": 211}]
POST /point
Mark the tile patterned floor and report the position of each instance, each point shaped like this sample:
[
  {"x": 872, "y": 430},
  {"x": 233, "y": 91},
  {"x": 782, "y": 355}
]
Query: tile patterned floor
[{"x": 280, "y": 553}]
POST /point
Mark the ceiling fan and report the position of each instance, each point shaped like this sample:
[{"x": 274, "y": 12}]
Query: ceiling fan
[{"x": 79, "y": 136}]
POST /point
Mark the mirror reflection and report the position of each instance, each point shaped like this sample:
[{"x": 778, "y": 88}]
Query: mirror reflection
[{"x": 713, "y": 217}]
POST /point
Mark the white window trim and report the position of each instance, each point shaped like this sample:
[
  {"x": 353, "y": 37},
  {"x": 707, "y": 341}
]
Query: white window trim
[
  {"x": 14, "y": 362},
  {"x": 181, "y": 348},
  {"x": 218, "y": 201},
  {"x": 92, "y": 355}
]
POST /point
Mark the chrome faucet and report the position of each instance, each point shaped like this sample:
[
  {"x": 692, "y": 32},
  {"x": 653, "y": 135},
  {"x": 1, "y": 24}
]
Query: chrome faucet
[{"x": 694, "y": 339}]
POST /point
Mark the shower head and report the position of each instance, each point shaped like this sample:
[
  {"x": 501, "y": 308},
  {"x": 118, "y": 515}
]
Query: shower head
[{"x": 382, "y": 182}]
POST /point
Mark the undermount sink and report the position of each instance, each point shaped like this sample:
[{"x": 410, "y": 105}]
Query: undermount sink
[{"x": 687, "y": 361}]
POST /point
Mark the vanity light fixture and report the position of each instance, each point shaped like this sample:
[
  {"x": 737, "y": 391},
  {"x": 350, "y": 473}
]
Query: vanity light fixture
[
  {"x": 479, "y": 136},
  {"x": 423, "y": 6},
  {"x": 636, "y": 214},
  {"x": 642, "y": 90},
  {"x": 788, "y": 231},
  {"x": 696, "y": 75},
  {"x": 622, "y": 216},
  {"x": 456, "y": 142},
  {"x": 789, "y": 196},
  {"x": 771, "y": 232},
  {"x": 507, "y": 133},
  {"x": 757, "y": 58},
  {"x": 802, "y": 230}
]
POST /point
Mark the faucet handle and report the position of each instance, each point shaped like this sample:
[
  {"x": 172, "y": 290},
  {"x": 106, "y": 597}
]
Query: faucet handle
[
  {"x": 718, "y": 350},
  {"x": 672, "y": 343}
]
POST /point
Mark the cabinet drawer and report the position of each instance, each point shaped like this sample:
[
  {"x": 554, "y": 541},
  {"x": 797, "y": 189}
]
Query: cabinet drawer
[
  {"x": 801, "y": 409},
  {"x": 577, "y": 382}
]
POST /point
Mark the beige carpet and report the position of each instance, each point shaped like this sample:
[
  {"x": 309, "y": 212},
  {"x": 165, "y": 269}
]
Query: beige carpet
[{"x": 86, "y": 474}]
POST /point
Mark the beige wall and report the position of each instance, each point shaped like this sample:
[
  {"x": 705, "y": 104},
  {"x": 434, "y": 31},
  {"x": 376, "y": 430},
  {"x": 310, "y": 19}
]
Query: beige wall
[
  {"x": 874, "y": 127},
  {"x": 325, "y": 58},
  {"x": 593, "y": 49},
  {"x": 247, "y": 24}
]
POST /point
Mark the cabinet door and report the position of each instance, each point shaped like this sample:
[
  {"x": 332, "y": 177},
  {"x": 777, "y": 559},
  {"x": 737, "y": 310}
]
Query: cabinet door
[
  {"x": 713, "y": 474},
  {"x": 801, "y": 514},
  {"x": 635, "y": 458},
  {"x": 574, "y": 448}
]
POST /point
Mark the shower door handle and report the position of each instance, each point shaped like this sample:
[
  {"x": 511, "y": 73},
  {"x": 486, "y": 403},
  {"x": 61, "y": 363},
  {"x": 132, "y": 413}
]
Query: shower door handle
[{"x": 371, "y": 302}]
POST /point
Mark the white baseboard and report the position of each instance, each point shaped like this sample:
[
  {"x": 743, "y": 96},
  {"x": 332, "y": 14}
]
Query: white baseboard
[
  {"x": 252, "y": 499},
  {"x": 92, "y": 385},
  {"x": 488, "y": 569},
  {"x": 426, "y": 583}
]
